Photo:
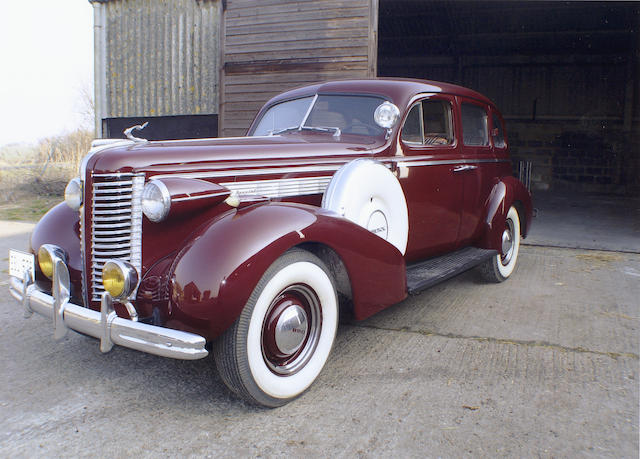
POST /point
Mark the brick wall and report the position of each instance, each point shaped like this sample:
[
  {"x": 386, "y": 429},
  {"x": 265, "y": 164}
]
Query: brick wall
[{"x": 578, "y": 156}]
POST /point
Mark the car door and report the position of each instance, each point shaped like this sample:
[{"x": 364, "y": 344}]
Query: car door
[
  {"x": 429, "y": 152},
  {"x": 478, "y": 169}
]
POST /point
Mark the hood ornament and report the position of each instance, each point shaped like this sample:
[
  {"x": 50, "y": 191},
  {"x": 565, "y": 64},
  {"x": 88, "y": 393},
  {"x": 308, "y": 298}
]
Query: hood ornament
[{"x": 139, "y": 127}]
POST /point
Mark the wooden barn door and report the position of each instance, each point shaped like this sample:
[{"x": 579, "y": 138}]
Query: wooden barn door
[{"x": 274, "y": 45}]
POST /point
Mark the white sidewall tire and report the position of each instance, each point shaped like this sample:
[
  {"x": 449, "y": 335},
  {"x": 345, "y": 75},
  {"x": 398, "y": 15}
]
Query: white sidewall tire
[
  {"x": 362, "y": 187},
  {"x": 506, "y": 270},
  {"x": 290, "y": 386}
]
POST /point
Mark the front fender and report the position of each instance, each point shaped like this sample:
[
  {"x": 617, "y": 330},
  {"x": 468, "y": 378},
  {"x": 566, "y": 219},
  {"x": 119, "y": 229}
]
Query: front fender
[
  {"x": 216, "y": 272},
  {"x": 60, "y": 226},
  {"x": 507, "y": 192}
]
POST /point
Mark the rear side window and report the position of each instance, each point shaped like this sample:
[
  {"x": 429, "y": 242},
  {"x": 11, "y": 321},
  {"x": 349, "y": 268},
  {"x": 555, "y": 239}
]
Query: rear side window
[
  {"x": 474, "y": 125},
  {"x": 428, "y": 123}
]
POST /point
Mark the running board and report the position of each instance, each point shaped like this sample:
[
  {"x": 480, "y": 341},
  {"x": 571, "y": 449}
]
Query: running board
[{"x": 425, "y": 274}]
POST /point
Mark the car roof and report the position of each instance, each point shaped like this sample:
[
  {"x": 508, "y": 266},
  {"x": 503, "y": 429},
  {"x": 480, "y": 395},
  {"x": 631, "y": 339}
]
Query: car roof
[{"x": 398, "y": 90}]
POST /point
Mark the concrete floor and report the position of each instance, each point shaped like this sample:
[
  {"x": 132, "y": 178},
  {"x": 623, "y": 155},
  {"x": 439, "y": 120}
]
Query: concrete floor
[
  {"x": 545, "y": 364},
  {"x": 586, "y": 221}
]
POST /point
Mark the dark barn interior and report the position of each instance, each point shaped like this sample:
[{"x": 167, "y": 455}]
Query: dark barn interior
[{"x": 564, "y": 74}]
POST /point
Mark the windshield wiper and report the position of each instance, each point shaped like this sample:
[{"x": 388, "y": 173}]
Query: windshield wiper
[
  {"x": 336, "y": 130},
  {"x": 280, "y": 131}
]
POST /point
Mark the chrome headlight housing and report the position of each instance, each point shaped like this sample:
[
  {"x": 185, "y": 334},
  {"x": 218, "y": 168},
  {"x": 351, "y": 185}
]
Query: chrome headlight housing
[
  {"x": 119, "y": 278},
  {"x": 73, "y": 193},
  {"x": 156, "y": 201}
]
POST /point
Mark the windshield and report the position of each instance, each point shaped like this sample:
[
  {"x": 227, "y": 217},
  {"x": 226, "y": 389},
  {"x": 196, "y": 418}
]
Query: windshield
[{"x": 332, "y": 113}]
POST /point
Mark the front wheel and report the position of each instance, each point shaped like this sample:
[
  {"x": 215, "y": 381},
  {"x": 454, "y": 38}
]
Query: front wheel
[
  {"x": 283, "y": 337},
  {"x": 500, "y": 267}
]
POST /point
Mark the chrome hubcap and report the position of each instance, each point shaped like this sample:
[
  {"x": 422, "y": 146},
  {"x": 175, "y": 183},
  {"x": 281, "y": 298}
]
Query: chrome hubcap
[
  {"x": 291, "y": 329},
  {"x": 507, "y": 243}
]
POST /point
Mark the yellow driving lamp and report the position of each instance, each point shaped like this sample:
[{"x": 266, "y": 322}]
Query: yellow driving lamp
[
  {"x": 47, "y": 254},
  {"x": 119, "y": 278}
]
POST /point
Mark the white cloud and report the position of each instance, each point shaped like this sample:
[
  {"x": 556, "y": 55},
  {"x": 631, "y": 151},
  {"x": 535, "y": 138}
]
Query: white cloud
[{"x": 47, "y": 57}]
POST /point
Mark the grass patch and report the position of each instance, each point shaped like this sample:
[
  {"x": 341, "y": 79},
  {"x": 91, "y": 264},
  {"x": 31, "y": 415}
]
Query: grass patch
[{"x": 28, "y": 209}]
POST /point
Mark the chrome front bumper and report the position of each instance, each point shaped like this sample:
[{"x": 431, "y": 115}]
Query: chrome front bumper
[{"x": 104, "y": 324}]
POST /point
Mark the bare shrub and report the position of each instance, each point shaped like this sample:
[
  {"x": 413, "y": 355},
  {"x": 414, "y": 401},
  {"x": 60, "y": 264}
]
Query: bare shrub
[
  {"x": 67, "y": 148},
  {"x": 42, "y": 170}
]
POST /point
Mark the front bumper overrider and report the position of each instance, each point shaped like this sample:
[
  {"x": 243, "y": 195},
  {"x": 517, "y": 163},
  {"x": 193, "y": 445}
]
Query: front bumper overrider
[{"x": 104, "y": 324}]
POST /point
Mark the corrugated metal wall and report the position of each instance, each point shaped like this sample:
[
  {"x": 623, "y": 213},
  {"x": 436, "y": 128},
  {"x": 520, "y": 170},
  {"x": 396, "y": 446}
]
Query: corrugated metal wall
[
  {"x": 282, "y": 44},
  {"x": 161, "y": 57}
]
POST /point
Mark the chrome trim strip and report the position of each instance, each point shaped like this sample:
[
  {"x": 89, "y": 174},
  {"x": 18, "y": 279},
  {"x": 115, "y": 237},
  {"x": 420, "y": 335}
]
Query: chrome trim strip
[
  {"x": 192, "y": 198},
  {"x": 83, "y": 253},
  {"x": 112, "y": 246},
  {"x": 117, "y": 185},
  {"x": 279, "y": 188},
  {"x": 112, "y": 219},
  {"x": 403, "y": 162},
  {"x": 247, "y": 172},
  {"x": 111, "y": 239},
  {"x": 335, "y": 164},
  {"x": 290, "y": 162},
  {"x": 114, "y": 232},
  {"x": 109, "y": 328}
]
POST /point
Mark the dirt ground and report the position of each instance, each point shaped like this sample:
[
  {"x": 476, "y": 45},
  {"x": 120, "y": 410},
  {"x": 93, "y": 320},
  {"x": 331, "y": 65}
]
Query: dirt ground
[{"x": 545, "y": 364}]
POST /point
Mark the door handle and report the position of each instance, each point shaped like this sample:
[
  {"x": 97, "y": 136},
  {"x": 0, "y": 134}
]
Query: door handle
[{"x": 464, "y": 167}]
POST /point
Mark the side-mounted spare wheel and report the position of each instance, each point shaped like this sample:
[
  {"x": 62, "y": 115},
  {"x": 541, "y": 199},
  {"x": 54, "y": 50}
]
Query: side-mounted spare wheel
[
  {"x": 501, "y": 266},
  {"x": 283, "y": 337},
  {"x": 367, "y": 193}
]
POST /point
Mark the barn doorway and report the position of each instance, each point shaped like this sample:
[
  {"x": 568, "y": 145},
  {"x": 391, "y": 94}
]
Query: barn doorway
[{"x": 565, "y": 76}]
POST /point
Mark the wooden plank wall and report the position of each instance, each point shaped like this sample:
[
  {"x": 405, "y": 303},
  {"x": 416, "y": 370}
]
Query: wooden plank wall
[{"x": 275, "y": 45}]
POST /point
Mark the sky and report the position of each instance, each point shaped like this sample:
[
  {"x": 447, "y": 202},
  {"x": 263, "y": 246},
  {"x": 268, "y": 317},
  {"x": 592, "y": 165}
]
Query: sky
[{"x": 46, "y": 62}]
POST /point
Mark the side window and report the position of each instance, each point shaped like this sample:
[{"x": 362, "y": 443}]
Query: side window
[
  {"x": 474, "y": 125},
  {"x": 428, "y": 123},
  {"x": 497, "y": 133},
  {"x": 437, "y": 122},
  {"x": 412, "y": 129}
]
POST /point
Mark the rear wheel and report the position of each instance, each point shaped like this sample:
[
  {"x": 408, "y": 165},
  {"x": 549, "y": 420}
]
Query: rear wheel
[
  {"x": 500, "y": 267},
  {"x": 282, "y": 339}
]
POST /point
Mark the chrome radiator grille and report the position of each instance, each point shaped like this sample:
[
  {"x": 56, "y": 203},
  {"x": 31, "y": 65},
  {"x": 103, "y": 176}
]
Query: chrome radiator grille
[{"x": 116, "y": 224}]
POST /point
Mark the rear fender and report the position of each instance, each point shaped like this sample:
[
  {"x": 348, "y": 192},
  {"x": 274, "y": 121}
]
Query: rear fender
[
  {"x": 508, "y": 192},
  {"x": 213, "y": 276}
]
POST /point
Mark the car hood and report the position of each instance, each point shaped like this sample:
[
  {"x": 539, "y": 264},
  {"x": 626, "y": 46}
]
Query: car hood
[{"x": 171, "y": 157}]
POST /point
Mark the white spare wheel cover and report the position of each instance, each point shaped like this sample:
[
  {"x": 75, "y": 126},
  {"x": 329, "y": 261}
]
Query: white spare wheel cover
[{"x": 367, "y": 193}]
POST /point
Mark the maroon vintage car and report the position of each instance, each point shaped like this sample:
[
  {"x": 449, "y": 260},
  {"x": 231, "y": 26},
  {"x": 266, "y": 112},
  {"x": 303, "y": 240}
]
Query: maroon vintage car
[{"x": 350, "y": 192}]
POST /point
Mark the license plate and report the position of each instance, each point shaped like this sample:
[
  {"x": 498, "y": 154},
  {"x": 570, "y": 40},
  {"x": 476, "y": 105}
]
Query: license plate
[{"x": 21, "y": 262}]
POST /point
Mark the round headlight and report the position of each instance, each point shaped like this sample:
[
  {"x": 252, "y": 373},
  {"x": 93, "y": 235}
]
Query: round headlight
[
  {"x": 73, "y": 193},
  {"x": 156, "y": 201},
  {"x": 47, "y": 254},
  {"x": 119, "y": 278},
  {"x": 386, "y": 115}
]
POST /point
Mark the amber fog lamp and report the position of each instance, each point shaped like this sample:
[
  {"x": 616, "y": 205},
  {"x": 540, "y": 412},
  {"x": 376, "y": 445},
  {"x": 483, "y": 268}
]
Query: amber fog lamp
[
  {"x": 156, "y": 201},
  {"x": 386, "y": 115},
  {"x": 73, "y": 193},
  {"x": 47, "y": 254},
  {"x": 119, "y": 278}
]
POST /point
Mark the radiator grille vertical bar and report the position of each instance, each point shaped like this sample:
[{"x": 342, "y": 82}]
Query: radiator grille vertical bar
[{"x": 116, "y": 224}]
